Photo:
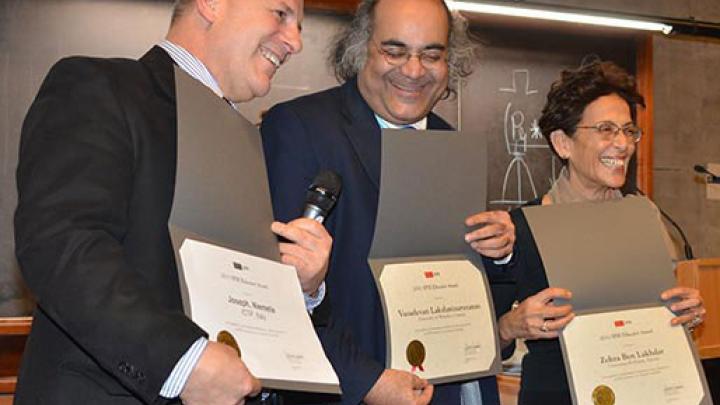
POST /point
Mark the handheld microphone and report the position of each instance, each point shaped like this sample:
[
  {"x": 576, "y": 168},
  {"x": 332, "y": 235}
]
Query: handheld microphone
[
  {"x": 714, "y": 179},
  {"x": 322, "y": 195},
  {"x": 687, "y": 248}
]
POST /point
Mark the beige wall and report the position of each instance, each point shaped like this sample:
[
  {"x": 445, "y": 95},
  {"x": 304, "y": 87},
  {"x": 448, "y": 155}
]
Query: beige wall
[{"x": 687, "y": 132}]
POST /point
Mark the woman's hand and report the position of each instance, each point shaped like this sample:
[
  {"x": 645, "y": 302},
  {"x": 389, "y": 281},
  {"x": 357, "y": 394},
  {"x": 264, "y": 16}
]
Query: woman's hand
[
  {"x": 536, "y": 317},
  {"x": 689, "y": 309}
]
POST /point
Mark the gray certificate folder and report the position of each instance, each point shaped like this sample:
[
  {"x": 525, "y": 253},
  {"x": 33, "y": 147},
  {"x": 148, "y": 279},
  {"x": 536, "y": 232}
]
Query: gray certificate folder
[
  {"x": 222, "y": 194},
  {"x": 609, "y": 254},
  {"x": 221, "y": 188},
  {"x": 430, "y": 182}
]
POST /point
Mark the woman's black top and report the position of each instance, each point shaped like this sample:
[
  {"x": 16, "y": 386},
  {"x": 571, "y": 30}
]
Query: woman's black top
[{"x": 543, "y": 373}]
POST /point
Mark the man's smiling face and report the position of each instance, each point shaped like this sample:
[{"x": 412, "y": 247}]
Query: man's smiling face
[
  {"x": 248, "y": 41},
  {"x": 405, "y": 92}
]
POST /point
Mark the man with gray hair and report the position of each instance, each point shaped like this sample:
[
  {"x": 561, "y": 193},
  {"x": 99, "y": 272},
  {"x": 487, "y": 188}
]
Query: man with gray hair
[{"x": 397, "y": 58}]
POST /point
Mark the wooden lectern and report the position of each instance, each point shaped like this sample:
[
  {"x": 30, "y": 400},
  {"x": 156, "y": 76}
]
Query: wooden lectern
[{"x": 704, "y": 274}]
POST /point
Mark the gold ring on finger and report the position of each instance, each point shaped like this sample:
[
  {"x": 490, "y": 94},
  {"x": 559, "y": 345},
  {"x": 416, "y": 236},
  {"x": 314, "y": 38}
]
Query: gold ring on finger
[{"x": 544, "y": 327}]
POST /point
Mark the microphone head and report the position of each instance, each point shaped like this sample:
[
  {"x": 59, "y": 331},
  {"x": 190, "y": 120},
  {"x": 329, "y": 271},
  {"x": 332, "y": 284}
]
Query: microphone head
[
  {"x": 329, "y": 181},
  {"x": 322, "y": 194}
]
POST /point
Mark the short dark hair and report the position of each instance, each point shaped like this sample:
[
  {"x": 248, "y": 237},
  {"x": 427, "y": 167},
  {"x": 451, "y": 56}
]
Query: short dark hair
[
  {"x": 349, "y": 50},
  {"x": 179, "y": 9},
  {"x": 576, "y": 89}
]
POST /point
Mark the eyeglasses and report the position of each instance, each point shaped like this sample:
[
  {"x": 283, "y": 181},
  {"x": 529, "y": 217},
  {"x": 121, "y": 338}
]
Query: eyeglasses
[
  {"x": 608, "y": 130},
  {"x": 397, "y": 55}
]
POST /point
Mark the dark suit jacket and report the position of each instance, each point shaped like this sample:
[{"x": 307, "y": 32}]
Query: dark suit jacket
[
  {"x": 96, "y": 180},
  {"x": 336, "y": 129}
]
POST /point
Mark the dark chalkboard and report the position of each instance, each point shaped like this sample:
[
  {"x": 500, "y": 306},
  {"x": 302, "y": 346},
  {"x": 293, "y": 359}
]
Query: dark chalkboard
[
  {"x": 503, "y": 100},
  {"x": 516, "y": 65}
]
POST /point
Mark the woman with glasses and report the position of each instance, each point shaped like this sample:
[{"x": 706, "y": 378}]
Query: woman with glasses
[{"x": 589, "y": 121}]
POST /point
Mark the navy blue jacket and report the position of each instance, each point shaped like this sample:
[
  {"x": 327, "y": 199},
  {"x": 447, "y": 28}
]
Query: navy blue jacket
[{"x": 336, "y": 129}]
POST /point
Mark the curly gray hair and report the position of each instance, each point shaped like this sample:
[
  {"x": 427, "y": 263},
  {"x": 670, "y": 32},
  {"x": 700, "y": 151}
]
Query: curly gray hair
[{"x": 349, "y": 51}]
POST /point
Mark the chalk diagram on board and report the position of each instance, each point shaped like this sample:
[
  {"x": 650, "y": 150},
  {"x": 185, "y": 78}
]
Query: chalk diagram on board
[{"x": 521, "y": 135}]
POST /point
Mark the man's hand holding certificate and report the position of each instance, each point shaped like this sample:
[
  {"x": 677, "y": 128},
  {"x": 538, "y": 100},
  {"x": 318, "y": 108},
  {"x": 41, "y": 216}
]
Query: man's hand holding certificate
[
  {"x": 255, "y": 306},
  {"x": 439, "y": 319}
]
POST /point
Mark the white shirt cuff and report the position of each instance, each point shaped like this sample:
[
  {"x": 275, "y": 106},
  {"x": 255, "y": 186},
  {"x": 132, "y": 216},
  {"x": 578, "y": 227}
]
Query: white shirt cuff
[
  {"x": 181, "y": 372},
  {"x": 504, "y": 260},
  {"x": 312, "y": 302},
  {"x": 178, "y": 377}
]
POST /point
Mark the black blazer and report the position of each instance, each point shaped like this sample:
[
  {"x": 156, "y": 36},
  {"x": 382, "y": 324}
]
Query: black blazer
[
  {"x": 543, "y": 373},
  {"x": 95, "y": 182},
  {"x": 336, "y": 129}
]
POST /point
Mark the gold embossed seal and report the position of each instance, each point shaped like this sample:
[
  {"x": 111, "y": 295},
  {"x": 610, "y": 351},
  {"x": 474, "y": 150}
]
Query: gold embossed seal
[
  {"x": 415, "y": 354},
  {"x": 227, "y": 339},
  {"x": 603, "y": 395}
]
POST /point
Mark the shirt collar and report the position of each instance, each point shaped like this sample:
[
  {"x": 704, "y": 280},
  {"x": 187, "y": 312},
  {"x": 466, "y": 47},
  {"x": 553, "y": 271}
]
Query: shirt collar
[
  {"x": 194, "y": 67},
  {"x": 421, "y": 125}
]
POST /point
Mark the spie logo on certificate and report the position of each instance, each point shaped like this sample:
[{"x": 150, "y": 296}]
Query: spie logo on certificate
[
  {"x": 240, "y": 266},
  {"x": 620, "y": 323}
]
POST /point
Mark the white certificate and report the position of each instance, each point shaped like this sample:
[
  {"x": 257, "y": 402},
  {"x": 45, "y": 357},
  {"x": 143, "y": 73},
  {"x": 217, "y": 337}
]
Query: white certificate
[
  {"x": 258, "y": 304},
  {"x": 632, "y": 356},
  {"x": 440, "y": 321}
]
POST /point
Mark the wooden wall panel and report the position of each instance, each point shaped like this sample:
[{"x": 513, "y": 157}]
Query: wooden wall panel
[
  {"x": 644, "y": 150},
  {"x": 704, "y": 274},
  {"x": 13, "y": 334},
  {"x": 337, "y": 6}
]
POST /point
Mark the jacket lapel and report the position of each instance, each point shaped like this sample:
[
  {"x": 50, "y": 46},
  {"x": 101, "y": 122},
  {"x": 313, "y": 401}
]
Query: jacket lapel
[
  {"x": 435, "y": 122},
  {"x": 160, "y": 65},
  {"x": 362, "y": 130}
]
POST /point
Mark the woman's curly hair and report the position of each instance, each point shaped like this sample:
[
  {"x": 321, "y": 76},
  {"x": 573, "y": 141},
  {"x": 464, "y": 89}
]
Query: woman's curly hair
[{"x": 576, "y": 89}]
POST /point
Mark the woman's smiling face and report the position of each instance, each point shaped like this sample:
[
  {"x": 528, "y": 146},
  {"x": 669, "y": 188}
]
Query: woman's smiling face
[{"x": 596, "y": 164}]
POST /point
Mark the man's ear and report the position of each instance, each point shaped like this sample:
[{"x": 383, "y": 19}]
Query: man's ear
[
  {"x": 561, "y": 143},
  {"x": 208, "y": 9}
]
